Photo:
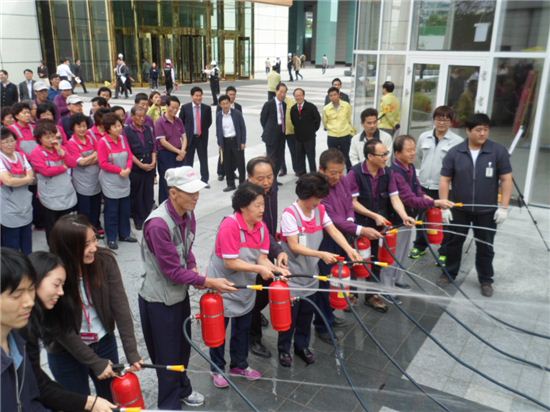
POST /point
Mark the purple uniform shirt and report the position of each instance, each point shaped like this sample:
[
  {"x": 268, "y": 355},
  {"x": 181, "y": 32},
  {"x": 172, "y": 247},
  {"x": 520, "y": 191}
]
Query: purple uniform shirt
[
  {"x": 172, "y": 131},
  {"x": 159, "y": 241},
  {"x": 148, "y": 120},
  {"x": 60, "y": 103},
  {"x": 354, "y": 187},
  {"x": 404, "y": 188},
  {"x": 339, "y": 206}
]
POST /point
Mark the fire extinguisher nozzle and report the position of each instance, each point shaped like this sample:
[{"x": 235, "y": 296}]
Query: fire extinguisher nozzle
[
  {"x": 321, "y": 277},
  {"x": 381, "y": 264},
  {"x": 459, "y": 204},
  {"x": 255, "y": 287},
  {"x": 393, "y": 231},
  {"x": 175, "y": 368},
  {"x": 419, "y": 222}
]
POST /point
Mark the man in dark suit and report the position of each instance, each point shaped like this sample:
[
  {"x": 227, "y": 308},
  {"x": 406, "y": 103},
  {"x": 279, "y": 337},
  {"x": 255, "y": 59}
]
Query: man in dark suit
[
  {"x": 336, "y": 82},
  {"x": 231, "y": 134},
  {"x": 232, "y": 93},
  {"x": 26, "y": 90},
  {"x": 306, "y": 120},
  {"x": 272, "y": 120},
  {"x": 197, "y": 119},
  {"x": 8, "y": 90}
]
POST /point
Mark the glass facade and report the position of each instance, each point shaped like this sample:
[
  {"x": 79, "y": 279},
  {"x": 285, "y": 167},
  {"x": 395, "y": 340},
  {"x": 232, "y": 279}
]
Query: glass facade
[
  {"x": 474, "y": 56},
  {"x": 191, "y": 33}
]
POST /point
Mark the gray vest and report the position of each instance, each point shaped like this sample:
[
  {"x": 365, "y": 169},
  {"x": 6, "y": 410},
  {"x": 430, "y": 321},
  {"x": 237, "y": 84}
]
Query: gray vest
[
  {"x": 113, "y": 185},
  {"x": 26, "y": 146},
  {"x": 241, "y": 302},
  {"x": 306, "y": 265},
  {"x": 86, "y": 178},
  {"x": 156, "y": 286},
  {"x": 56, "y": 192},
  {"x": 16, "y": 204}
]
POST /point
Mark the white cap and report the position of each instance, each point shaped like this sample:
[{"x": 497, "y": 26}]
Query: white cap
[
  {"x": 213, "y": 63},
  {"x": 65, "y": 85},
  {"x": 74, "y": 99},
  {"x": 184, "y": 178},
  {"x": 168, "y": 61},
  {"x": 39, "y": 85}
]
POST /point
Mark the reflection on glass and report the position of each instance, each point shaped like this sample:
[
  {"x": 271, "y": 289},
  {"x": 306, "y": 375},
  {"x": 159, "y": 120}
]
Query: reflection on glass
[
  {"x": 229, "y": 15},
  {"x": 63, "y": 29},
  {"x": 424, "y": 95},
  {"x": 309, "y": 24},
  {"x": 395, "y": 24},
  {"x": 541, "y": 189},
  {"x": 229, "y": 53},
  {"x": 248, "y": 19},
  {"x": 214, "y": 16},
  {"x": 245, "y": 57},
  {"x": 100, "y": 32},
  {"x": 517, "y": 83},
  {"x": 369, "y": 23},
  {"x": 84, "y": 50},
  {"x": 525, "y": 26},
  {"x": 462, "y": 92},
  {"x": 146, "y": 13},
  {"x": 453, "y": 25},
  {"x": 392, "y": 68},
  {"x": 365, "y": 84}
]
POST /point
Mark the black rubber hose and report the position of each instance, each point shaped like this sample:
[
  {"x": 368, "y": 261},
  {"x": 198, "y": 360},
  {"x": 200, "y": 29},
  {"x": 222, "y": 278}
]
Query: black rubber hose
[
  {"x": 452, "y": 355},
  {"x": 207, "y": 358},
  {"x": 337, "y": 352}
]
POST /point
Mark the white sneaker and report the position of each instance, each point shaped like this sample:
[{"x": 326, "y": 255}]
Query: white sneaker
[{"x": 195, "y": 399}]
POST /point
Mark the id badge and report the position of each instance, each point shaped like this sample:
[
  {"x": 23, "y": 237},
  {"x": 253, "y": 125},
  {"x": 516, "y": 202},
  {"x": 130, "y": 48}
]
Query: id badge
[
  {"x": 489, "y": 171},
  {"x": 89, "y": 337}
]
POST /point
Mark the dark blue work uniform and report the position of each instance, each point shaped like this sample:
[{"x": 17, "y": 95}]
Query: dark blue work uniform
[{"x": 475, "y": 184}]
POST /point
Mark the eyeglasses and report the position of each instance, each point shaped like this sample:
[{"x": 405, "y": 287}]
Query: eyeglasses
[
  {"x": 442, "y": 119},
  {"x": 386, "y": 154}
]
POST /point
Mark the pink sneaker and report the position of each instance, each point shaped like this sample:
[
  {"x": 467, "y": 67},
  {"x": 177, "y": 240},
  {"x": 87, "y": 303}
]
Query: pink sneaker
[
  {"x": 219, "y": 381},
  {"x": 248, "y": 373}
]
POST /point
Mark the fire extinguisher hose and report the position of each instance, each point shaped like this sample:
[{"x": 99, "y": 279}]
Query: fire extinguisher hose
[
  {"x": 337, "y": 352},
  {"x": 452, "y": 355},
  {"x": 452, "y": 281},
  {"x": 207, "y": 358},
  {"x": 391, "y": 358}
]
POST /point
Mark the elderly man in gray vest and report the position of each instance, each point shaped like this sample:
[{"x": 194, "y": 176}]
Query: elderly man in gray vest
[{"x": 170, "y": 268}]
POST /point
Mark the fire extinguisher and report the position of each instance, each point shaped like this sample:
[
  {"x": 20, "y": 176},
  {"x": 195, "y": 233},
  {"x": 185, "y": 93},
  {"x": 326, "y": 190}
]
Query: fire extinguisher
[
  {"x": 212, "y": 319},
  {"x": 363, "y": 247},
  {"x": 434, "y": 226},
  {"x": 337, "y": 298},
  {"x": 126, "y": 391},
  {"x": 279, "y": 306},
  {"x": 391, "y": 242}
]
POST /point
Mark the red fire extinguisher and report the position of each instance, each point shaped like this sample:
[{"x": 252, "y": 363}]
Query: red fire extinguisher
[
  {"x": 126, "y": 391},
  {"x": 434, "y": 226},
  {"x": 391, "y": 242},
  {"x": 337, "y": 298},
  {"x": 279, "y": 306},
  {"x": 363, "y": 247},
  {"x": 212, "y": 319}
]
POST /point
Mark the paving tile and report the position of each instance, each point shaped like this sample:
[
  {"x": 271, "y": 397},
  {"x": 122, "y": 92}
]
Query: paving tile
[{"x": 482, "y": 395}]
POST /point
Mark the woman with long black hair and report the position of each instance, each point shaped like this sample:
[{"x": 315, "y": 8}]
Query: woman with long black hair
[{"x": 83, "y": 322}]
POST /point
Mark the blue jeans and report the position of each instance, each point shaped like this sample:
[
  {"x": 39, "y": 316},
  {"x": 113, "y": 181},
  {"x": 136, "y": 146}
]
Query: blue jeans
[
  {"x": 166, "y": 160},
  {"x": 90, "y": 206},
  {"x": 238, "y": 346},
  {"x": 73, "y": 375},
  {"x": 18, "y": 238},
  {"x": 117, "y": 218}
]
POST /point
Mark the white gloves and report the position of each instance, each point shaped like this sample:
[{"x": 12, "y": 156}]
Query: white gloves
[
  {"x": 500, "y": 215},
  {"x": 447, "y": 215}
]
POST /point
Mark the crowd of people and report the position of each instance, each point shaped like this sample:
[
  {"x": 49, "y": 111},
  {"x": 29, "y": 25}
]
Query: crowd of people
[{"x": 60, "y": 167}]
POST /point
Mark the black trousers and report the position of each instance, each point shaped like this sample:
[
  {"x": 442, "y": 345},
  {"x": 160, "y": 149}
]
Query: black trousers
[
  {"x": 215, "y": 89},
  {"x": 484, "y": 252},
  {"x": 162, "y": 327},
  {"x": 199, "y": 144},
  {"x": 238, "y": 345},
  {"x": 233, "y": 157},
  {"x": 291, "y": 143},
  {"x": 302, "y": 315},
  {"x": 50, "y": 217},
  {"x": 276, "y": 152},
  {"x": 420, "y": 241},
  {"x": 141, "y": 194},
  {"x": 343, "y": 144},
  {"x": 305, "y": 149},
  {"x": 262, "y": 300},
  {"x": 120, "y": 88}
]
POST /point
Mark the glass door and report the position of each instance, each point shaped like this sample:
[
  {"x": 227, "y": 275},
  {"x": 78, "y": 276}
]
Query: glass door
[
  {"x": 431, "y": 82},
  {"x": 244, "y": 57}
]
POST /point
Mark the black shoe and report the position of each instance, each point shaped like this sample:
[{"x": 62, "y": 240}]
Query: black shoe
[
  {"x": 129, "y": 239},
  {"x": 325, "y": 336},
  {"x": 221, "y": 177},
  {"x": 402, "y": 285},
  {"x": 279, "y": 184},
  {"x": 282, "y": 173},
  {"x": 112, "y": 244},
  {"x": 207, "y": 186},
  {"x": 229, "y": 189},
  {"x": 306, "y": 355},
  {"x": 258, "y": 349},
  {"x": 264, "y": 321},
  {"x": 487, "y": 290},
  {"x": 285, "y": 359},
  {"x": 339, "y": 323},
  {"x": 139, "y": 226},
  {"x": 443, "y": 281}
]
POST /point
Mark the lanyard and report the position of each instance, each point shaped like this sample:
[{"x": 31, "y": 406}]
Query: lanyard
[{"x": 87, "y": 316}]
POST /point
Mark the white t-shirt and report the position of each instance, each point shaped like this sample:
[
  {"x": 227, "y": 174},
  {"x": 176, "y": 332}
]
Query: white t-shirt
[
  {"x": 289, "y": 226},
  {"x": 227, "y": 125},
  {"x": 475, "y": 154},
  {"x": 3, "y": 166}
]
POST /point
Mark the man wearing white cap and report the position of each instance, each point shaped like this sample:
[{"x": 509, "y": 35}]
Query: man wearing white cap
[
  {"x": 41, "y": 92},
  {"x": 74, "y": 104},
  {"x": 170, "y": 268},
  {"x": 213, "y": 74},
  {"x": 60, "y": 101}
]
